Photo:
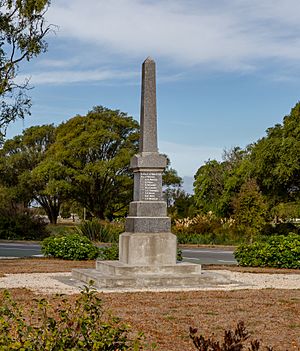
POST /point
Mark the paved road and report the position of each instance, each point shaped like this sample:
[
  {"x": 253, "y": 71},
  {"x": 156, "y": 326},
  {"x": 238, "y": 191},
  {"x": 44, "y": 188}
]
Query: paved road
[
  {"x": 208, "y": 256},
  {"x": 195, "y": 255},
  {"x": 9, "y": 250}
]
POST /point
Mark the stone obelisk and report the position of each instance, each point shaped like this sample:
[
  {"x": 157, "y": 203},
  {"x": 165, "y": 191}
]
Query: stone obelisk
[
  {"x": 147, "y": 249},
  {"x": 148, "y": 239}
]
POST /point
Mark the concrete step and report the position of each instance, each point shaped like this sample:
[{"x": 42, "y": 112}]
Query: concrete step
[
  {"x": 120, "y": 269},
  {"x": 101, "y": 280}
]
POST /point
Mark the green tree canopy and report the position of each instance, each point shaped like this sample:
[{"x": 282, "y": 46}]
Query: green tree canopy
[
  {"x": 209, "y": 186},
  {"x": 22, "y": 33},
  {"x": 20, "y": 156},
  {"x": 217, "y": 182},
  {"x": 273, "y": 163},
  {"x": 276, "y": 160},
  {"x": 250, "y": 208},
  {"x": 83, "y": 162},
  {"x": 95, "y": 151}
]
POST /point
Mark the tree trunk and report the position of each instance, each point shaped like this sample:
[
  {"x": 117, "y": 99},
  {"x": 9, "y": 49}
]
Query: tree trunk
[{"x": 51, "y": 208}]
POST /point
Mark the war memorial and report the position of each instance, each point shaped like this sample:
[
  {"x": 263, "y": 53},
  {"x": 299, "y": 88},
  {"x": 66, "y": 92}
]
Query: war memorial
[{"x": 147, "y": 248}]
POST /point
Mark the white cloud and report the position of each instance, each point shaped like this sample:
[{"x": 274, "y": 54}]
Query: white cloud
[
  {"x": 186, "y": 159},
  {"x": 223, "y": 34},
  {"x": 54, "y": 63},
  {"x": 73, "y": 76}
]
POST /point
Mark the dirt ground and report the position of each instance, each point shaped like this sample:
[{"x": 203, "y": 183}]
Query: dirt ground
[{"x": 271, "y": 316}]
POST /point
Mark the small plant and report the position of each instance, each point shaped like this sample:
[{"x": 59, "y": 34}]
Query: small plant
[
  {"x": 72, "y": 326},
  {"x": 98, "y": 231},
  {"x": 70, "y": 247},
  {"x": 233, "y": 341},
  {"x": 277, "y": 251},
  {"x": 179, "y": 255}
]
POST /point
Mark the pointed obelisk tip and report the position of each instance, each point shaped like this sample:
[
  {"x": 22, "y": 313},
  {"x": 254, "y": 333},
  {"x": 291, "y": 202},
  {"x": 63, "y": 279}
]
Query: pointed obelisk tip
[{"x": 149, "y": 60}]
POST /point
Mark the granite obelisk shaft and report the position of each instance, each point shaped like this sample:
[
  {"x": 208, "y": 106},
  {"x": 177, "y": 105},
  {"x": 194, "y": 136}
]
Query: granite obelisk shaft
[{"x": 148, "y": 136}]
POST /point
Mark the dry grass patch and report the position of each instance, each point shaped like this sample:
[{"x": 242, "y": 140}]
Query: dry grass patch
[
  {"x": 273, "y": 316},
  {"x": 41, "y": 265}
]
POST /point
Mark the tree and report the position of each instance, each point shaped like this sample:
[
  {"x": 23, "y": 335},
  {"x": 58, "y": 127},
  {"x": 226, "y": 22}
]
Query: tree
[
  {"x": 209, "y": 186},
  {"x": 216, "y": 183},
  {"x": 47, "y": 186},
  {"x": 183, "y": 205},
  {"x": 94, "y": 152},
  {"x": 22, "y": 33},
  {"x": 171, "y": 182},
  {"x": 19, "y": 159},
  {"x": 250, "y": 209},
  {"x": 276, "y": 161}
]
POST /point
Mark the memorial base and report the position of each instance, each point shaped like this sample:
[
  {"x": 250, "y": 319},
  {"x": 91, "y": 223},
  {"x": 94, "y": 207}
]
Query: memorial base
[
  {"x": 114, "y": 274},
  {"x": 147, "y": 249},
  {"x": 145, "y": 260}
]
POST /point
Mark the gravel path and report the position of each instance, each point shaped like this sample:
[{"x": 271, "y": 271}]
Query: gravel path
[{"x": 62, "y": 283}]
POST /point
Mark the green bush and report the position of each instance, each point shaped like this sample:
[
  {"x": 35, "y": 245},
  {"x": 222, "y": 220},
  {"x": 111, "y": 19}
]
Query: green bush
[
  {"x": 179, "y": 255},
  {"x": 112, "y": 253},
  {"x": 70, "y": 247},
  {"x": 277, "y": 251},
  {"x": 21, "y": 226},
  {"x": 79, "y": 325},
  {"x": 98, "y": 231}
]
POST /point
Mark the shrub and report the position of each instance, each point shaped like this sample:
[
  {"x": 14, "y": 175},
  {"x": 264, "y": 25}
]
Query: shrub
[
  {"x": 112, "y": 253},
  {"x": 109, "y": 253},
  {"x": 21, "y": 226},
  {"x": 179, "y": 255},
  {"x": 70, "y": 247},
  {"x": 103, "y": 232},
  {"x": 201, "y": 224},
  {"x": 278, "y": 251},
  {"x": 207, "y": 229},
  {"x": 233, "y": 340},
  {"x": 79, "y": 325}
]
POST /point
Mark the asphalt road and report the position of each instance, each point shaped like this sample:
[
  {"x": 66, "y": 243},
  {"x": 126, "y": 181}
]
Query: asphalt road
[
  {"x": 208, "y": 256},
  {"x": 9, "y": 250},
  {"x": 195, "y": 255}
]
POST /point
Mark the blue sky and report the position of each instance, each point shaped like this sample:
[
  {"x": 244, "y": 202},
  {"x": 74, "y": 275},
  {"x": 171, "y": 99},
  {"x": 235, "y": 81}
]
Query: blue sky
[{"x": 226, "y": 69}]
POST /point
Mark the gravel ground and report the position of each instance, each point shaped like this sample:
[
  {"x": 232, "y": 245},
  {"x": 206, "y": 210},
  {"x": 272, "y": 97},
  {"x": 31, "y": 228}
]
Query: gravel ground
[{"x": 62, "y": 283}]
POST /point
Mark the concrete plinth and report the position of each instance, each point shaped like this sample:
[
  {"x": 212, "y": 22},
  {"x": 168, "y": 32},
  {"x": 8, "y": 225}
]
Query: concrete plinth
[
  {"x": 145, "y": 260},
  {"x": 114, "y": 274},
  {"x": 147, "y": 249}
]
